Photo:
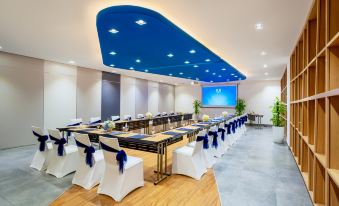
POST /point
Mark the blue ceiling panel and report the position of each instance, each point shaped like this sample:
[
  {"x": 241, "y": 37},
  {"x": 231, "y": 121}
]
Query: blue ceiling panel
[{"x": 136, "y": 38}]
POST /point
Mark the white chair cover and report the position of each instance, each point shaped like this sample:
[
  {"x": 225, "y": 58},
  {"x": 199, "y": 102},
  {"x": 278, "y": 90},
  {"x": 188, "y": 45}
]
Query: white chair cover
[
  {"x": 127, "y": 117},
  {"x": 140, "y": 116},
  {"x": 219, "y": 150},
  {"x": 189, "y": 161},
  {"x": 114, "y": 183},
  {"x": 41, "y": 158},
  {"x": 223, "y": 143},
  {"x": 60, "y": 166},
  {"x": 115, "y": 118},
  {"x": 94, "y": 120},
  {"x": 87, "y": 176},
  {"x": 75, "y": 121}
]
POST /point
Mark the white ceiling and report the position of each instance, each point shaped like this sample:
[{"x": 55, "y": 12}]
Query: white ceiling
[{"x": 64, "y": 30}]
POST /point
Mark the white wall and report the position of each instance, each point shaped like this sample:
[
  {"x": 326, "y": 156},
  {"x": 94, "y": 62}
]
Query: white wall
[
  {"x": 127, "y": 96},
  {"x": 153, "y": 97},
  {"x": 259, "y": 96}
]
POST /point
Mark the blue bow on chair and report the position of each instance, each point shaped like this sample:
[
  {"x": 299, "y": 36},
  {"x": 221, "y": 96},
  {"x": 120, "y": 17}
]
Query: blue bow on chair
[
  {"x": 60, "y": 143},
  {"x": 42, "y": 139},
  {"x": 215, "y": 138},
  {"x": 222, "y": 133},
  {"x": 233, "y": 126},
  {"x": 228, "y": 126},
  {"x": 205, "y": 139},
  {"x": 121, "y": 156},
  {"x": 89, "y": 150}
]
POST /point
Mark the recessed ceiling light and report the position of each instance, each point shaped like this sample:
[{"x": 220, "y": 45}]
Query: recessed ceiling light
[
  {"x": 232, "y": 74},
  {"x": 131, "y": 68},
  {"x": 112, "y": 53},
  {"x": 211, "y": 81},
  {"x": 213, "y": 73},
  {"x": 265, "y": 66},
  {"x": 141, "y": 22},
  {"x": 113, "y": 31},
  {"x": 192, "y": 51},
  {"x": 266, "y": 73},
  {"x": 170, "y": 74},
  {"x": 181, "y": 73},
  {"x": 223, "y": 69},
  {"x": 263, "y": 53},
  {"x": 146, "y": 70},
  {"x": 259, "y": 26},
  {"x": 207, "y": 70},
  {"x": 192, "y": 83},
  {"x": 207, "y": 60},
  {"x": 0, "y": 47},
  {"x": 235, "y": 76},
  {"x": 137, "y": 60},
  {"x": 186, "y": 62},
  {"x": 71, "y": 62},
  {"x": 111, "y": 65},
  {"x": 195, "y": 66},
  {"x": 170, "y": 55},
  {"x": 219, "y": 76}
]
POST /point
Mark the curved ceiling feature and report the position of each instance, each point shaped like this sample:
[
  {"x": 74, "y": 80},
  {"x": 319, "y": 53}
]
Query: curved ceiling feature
[{"x": 136, "y": 38}]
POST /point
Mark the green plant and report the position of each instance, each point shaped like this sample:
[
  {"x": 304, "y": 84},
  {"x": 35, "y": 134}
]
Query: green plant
[
  {"x": 196, "y": 106},
  {"x": 240, "y": 107},
  {"x": 278, "y": 111}
]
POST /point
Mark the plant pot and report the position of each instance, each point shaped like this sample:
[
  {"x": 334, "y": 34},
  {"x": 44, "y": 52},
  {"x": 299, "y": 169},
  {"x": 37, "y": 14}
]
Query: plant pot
[
  {"x": 195, "y": 117},
  {"x": 278, "y": 134}
]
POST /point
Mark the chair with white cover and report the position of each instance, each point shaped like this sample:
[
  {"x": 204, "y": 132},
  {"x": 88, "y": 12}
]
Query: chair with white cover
[
  {"x": 122, "y": 174},
  {"x": 75, "y": 122},
  {"x": 127, "y": 117},
  {"x": 91, "y": 163},
  {"x": 42, "y": 155},
  {"x": 222, "y": 134},
  {"x": 207, "y": 152},
  {"x": 190, "y": 161},
  {"x": 115, "y": 118},
  {"x": 64, "y": 158},
  {"x": 94, "y": 120},
  {"x": 141, "y": 116},
  {"x": 216, "y": 147}
]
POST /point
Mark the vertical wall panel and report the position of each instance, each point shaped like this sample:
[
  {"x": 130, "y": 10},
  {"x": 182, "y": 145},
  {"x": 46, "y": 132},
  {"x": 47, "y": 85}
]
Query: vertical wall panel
[
  {"x": 110, "y": 95},
  {"x": 141, "y": 96},
  {"x": 59, "y": 94},
  {"x": 21, "y": 95},
  {"x": 88, "y": 93},
  {"x": 127, "y": 99},
  {"x": 153, "y": 97},
  {"x": 166, "y": 98}
]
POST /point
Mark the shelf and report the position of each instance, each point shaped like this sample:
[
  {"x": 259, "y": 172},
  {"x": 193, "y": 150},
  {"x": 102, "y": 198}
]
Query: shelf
[
  {"x": 304, "y": 157},
  {"x": 311, "y": 79},
  {"x": 321, "y": 24},
  {"x": 334, "y": 67},
  {"x": 333, "y": 193},
  {"x": 320, "y": 127},
  {"x": 311, "y": 122},
  {"x": 334, "y": 133},
  {"x": 320, "y": 76},
  {"x": 333, "y": 18},
  {"x": 321, "y": 158},
  {"x": 319, "y": 183},
  {"x": 312, "y": 33},
  {"x": 311, "y": 171},
  {"x": 334, "y": 175}
]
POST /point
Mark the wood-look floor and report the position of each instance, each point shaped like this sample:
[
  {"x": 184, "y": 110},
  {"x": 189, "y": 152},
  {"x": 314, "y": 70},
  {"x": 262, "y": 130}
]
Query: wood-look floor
[{"x": 175, "y": 190}]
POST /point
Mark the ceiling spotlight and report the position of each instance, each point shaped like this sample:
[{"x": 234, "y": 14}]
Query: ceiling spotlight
[
  {"x": 192, "y": 51},
  {"x": 223, "y": 69},
  {"x": 195, "y": 66},
  {"x": 211, "y": 81},
  {"x": 219, "y": 76},
  {"x": 181, "y": 73},
  {"x": 146, "y": 70},
  {"x": 192, "y": 83},
  {"x": 131, "y": 68},
  {"x": 137, "y": 61},
  {"x": 235, "y": 76},
  {"x": 112, "y": 53},
  {"x": 0, "y": 47},
  {"x": 232, "y": 74},
  {"x": 170, "y": 55},
  {"x": 111, "y": 65},
  {"x": 265, "y": 66},
  {"x": 141, "y": 22},
  {"x": 207, "y": 70},
  {"x": 207, "y": 60},
  {"x": 213, "y": 73},
  {"x": 71, "y": 62},
  {"x": 263, "y": 53},
  {"x": 113, "y": 31},
  {"x": 266, "y": 73},
  {"x": 186, "y": 62},
  {"x": 259, "y": 26},
  {"x": 170, "y": 74}
]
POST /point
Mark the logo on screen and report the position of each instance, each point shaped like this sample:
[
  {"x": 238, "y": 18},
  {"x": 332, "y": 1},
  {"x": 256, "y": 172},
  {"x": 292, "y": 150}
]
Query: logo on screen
[{"x": 218, "y": 91}]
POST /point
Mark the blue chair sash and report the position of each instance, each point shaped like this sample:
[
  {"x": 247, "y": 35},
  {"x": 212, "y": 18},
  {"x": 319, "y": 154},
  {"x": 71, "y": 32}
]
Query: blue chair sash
[
  {"x": 205, "y": 139},
  {"x": 121, "y": 156},
  {"x": 95, "y": 122},
  {"x": 228, "y": 126},
  {"x": 233, "y": 126},
  {"x": 215, "y": 139},
  {"x": 42, "y": 139},
  {"x": 60, "y": 143},
  {"x": 89, "y": 150},
  {"x": 222, "y": 133}
]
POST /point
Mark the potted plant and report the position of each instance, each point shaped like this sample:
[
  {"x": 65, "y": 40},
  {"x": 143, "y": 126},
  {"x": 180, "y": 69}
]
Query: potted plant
[
  {"x": 196, "y": 109},
  {"x": 278, "y": 111},
  {"x": 240, "y": 107}
]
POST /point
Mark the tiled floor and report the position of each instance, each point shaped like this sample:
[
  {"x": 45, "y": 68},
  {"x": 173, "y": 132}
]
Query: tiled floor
[
  {"x": 256, "y": 171},
  {"x": 21, "y": 185}
]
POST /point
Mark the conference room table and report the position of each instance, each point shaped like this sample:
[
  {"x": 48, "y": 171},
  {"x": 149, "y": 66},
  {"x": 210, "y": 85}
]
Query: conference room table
[{"x": 156, "y": 143}]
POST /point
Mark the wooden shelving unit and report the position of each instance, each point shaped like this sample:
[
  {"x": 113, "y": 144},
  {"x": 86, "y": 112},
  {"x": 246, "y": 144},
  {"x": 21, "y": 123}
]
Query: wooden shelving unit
[
  {"x": 314, "y": 102},
  {"x": 283, "y": 95}
]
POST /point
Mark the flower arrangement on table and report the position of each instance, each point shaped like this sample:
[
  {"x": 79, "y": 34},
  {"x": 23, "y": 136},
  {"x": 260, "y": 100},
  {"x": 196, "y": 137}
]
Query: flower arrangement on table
[
  {"x": 108, "y": 125},
  {"x": 224, "y": 114},
  {"x": 148, "y": 115},
  {"x": 205, "y": 117}
]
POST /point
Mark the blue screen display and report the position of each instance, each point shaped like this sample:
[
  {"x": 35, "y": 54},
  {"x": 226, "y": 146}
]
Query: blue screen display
[{"x": 219, "y": 96}]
